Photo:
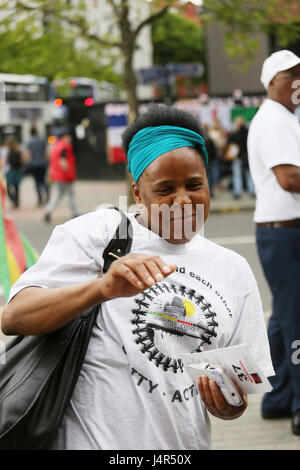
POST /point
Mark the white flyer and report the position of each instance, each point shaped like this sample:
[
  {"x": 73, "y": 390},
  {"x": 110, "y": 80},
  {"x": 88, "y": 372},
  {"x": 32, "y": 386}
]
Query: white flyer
[{"x": 237, "y": 362}]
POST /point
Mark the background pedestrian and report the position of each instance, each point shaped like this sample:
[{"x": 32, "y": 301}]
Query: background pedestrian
[
  {"x": 62, "y": 173},
  {"x": 274, "y": 158},
  {"x": 15, "y": 163},
  {"x": 240, "y": 166},
  {"x": 36, "y": 154}
]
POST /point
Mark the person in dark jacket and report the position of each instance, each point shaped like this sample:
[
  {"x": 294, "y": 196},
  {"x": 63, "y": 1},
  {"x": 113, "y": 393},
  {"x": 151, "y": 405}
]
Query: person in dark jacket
[
  {"x": 14, "y": 169},
  {"x": 38, "y": 162},
  {"x": 240, "y": 166},
  {"x": 214, "y": 166}
]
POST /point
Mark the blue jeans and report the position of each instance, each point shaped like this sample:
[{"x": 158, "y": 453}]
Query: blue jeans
[
  {"x": 237, "y": 178},
  {"x": 279, "y": 252},
  {"x": 214, "y": 173},
  {"x": 13, "y": 180}
]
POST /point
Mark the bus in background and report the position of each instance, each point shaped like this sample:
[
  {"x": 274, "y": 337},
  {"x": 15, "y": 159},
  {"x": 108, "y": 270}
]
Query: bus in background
[
  {"x": 24, "y": 103},
  {"x": 66, "y": 92},
  {"x": 79, "y": 106},
  {"x": 73, "y": 93},
  {"x": 82, "y": 90}
]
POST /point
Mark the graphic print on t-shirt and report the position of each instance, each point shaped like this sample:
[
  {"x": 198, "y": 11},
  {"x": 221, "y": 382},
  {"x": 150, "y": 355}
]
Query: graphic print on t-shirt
[{"x": 172, "y": 319}]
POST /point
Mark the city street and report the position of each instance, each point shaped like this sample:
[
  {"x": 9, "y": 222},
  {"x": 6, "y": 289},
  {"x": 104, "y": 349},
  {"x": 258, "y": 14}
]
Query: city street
[{"x": 229, "y": 225}]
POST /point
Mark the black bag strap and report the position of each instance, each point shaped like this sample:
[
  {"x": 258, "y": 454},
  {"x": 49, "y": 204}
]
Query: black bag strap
[{"x": 121, "y": 242}]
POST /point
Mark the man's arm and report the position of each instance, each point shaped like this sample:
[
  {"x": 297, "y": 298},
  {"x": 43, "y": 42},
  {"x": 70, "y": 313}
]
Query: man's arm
[
  {"x": 26, "y": 155},
  {"x": 288, "y": 176},
  {"x": 48, "y": 152},
  {"x": 63, "y": 160}
]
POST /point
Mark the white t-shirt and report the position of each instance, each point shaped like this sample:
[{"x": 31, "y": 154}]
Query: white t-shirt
[
  {"x": 133, "y": 391},
  {"x": 273, "y": 139}
]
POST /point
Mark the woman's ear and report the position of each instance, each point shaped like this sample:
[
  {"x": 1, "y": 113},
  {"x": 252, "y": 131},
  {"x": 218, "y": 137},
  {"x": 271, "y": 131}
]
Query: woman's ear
[{"x": 136, "y": 192}]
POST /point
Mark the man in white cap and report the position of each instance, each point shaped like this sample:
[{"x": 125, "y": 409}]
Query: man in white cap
[{"x": 274, "y": 160}]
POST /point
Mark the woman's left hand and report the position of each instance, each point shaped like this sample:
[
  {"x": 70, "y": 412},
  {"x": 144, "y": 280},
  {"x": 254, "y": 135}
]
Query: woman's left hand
[{"x": 215, "y": 401}]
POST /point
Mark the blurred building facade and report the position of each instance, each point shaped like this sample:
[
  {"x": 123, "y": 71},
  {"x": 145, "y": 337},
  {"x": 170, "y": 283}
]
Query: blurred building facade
[
  {"x": 223, "y": 73},
  {"x": 223, "y": 76}
]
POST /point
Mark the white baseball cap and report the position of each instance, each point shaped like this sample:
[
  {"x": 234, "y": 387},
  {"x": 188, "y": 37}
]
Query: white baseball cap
[{"x": 277, "y": 62}]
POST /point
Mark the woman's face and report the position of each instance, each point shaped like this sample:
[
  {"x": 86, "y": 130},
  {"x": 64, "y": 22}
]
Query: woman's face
[
  {"x": 281, "y": 87},
  {"x": 173, "y": 193}
]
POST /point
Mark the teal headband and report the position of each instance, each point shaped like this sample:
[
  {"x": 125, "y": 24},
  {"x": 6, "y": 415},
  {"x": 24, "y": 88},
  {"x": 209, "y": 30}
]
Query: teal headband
[{"x": 151, "y": 142}]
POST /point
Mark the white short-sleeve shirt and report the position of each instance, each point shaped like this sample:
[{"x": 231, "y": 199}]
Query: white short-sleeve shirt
[
  {"x": 133, "y": 391},
  {"x": 273, "y": 139}
]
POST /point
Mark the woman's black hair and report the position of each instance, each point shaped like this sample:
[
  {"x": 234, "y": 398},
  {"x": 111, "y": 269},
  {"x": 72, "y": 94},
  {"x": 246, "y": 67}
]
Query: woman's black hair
[{"x": 160, "y": 115}]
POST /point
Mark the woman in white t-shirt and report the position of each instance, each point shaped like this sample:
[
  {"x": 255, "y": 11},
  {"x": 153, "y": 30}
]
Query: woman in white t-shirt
[{"x": 175, "y": 293}]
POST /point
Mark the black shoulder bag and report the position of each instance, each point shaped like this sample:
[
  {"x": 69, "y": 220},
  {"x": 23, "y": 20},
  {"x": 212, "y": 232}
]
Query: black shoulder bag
[{"x": 40, "y": 372}]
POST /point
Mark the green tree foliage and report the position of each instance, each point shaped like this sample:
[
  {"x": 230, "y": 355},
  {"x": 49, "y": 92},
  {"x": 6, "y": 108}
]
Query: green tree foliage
[
  {"x": 44, "y": 31},
  {"x": 52, "y": 56},
  {"x": 31, "y": 45},
  {"x": 177, "y": 40}
]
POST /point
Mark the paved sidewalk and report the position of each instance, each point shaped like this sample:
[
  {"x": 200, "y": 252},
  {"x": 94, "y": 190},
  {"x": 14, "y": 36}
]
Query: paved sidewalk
[{"x": 252, "y": 432}]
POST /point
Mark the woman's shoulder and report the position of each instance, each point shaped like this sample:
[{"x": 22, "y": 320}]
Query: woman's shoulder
[
  {"x": 233, "y": 267},
  {"x": 225, "y": 255},
  {"x": 102, "y": 222}
]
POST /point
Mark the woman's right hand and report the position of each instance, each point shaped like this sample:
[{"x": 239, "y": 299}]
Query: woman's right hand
[{"x": 132, "y": 274}]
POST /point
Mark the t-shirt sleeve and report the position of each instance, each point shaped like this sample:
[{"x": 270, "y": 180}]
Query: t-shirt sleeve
[
  {"x": 279, "y": 146},
  {"x": 251, "y": 330},
  {"x": 73, "y": 254}
]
